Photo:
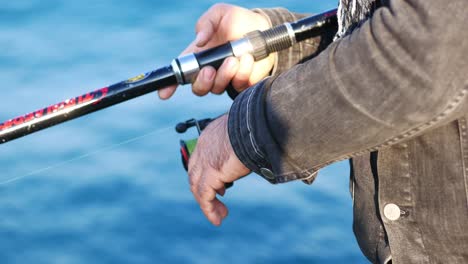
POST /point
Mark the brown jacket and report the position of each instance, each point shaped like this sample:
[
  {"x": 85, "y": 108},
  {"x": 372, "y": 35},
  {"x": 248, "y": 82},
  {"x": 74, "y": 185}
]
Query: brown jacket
[{"x": 396, "y": 85}]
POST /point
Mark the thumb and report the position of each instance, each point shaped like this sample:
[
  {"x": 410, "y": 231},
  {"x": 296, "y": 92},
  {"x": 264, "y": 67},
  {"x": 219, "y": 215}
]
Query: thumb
[{"x": 208, "y": 24}]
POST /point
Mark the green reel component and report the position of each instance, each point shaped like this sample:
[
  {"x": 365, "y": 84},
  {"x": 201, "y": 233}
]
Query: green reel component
[
  {"x": 187, "y": 147},
  {"x": 191, "y": 144}
]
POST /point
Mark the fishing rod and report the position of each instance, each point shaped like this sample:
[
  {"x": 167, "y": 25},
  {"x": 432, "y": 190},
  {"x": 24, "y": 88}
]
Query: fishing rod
[{"x": 182, "y": 70}]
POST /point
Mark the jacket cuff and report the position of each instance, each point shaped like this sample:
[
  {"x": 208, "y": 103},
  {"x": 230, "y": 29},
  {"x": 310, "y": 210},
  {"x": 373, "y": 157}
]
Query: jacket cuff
[
  {"x": 253, "y": 143},
  {"x": 241, "y": 132}
]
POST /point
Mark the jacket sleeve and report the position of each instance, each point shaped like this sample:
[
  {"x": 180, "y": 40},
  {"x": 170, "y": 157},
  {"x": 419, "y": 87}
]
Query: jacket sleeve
[{"x": 400, "y": 74}]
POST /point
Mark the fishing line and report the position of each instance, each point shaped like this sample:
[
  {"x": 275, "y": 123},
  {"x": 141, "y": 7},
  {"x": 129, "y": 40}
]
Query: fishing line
[
  {"x": 86, "y": 155},
  {"x": 182, "y": 70}
]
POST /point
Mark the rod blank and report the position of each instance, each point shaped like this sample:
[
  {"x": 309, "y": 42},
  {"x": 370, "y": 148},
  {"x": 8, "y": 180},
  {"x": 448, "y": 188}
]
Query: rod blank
[{"x": 182, "y": 70}]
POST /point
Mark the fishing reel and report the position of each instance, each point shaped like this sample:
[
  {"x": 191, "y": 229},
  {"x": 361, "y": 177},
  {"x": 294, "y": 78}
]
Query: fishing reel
[{"x": 188, "y": 146}]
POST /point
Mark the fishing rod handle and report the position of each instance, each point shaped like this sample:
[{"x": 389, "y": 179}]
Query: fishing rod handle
[{"x": 260, "y": 44}]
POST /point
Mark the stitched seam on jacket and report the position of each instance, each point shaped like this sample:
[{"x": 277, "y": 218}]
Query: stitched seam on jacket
[
  {"x": 381, "y": 240},
  {"x": 454, "y": 103},
  {"x": 462, "y": 126},
  {"x": 412, "y": 172},
  {"x": 249, "y": 127}
]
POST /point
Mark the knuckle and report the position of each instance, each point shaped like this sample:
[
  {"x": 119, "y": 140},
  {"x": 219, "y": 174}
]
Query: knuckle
[
  {"x": 191, "y": 180},
  {"x": 219, "y": 6},
  {"x": 199, "y": 25},
  {"x": 219, "y": 86},
  {"x": 205, "y": 207},
  {"x": 218, "y": 91},
  {"x": 203, "y": 192},
  {"x": 243, "y": 74},
  {"x": 193, "y": 175},
  {"x": 192, "y": 167},
  {"x": 240, "y": 84},
  {"x": 198, "y": 90},
  {"x": 193, "y": 172},
  {"x": 193, "y": 189}
]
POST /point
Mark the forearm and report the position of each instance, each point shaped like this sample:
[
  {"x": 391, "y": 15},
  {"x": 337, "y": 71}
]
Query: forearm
[{"x": 402, "y": 73}]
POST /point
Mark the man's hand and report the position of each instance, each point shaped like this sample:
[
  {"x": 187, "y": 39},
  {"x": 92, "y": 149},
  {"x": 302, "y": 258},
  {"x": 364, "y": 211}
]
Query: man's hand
[
  {"x": 212, "y": 164},
  {"x": 220, "y": 24}
]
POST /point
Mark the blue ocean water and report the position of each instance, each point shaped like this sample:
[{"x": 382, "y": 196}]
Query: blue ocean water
[{"x": 85, "y": 193}]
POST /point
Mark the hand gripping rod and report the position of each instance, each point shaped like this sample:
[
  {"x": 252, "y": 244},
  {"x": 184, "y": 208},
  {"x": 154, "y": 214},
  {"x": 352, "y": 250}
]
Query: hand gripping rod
[{"x": 182, "y": 70}]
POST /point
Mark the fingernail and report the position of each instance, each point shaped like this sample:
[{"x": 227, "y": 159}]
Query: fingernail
[
  {"x": 164, "y": 93},
  {"x": 161, "y": 95},
  {"x": 199, "y": 40}
]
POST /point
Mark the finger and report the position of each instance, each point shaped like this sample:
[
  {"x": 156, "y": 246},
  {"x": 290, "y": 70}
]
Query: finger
[
  {"x": 204, "y": 82},
  {"x": 242, "y": 77},
  {"x": 261, "y": 69},
  {"x": 208, "y": 24},
  {"x": 221, "y": 210},
  {"x": 204, "y": 191},
  {"x": 215, "y": 211},
  {"x": 205, "y": 195},
  {"x": 224, "y": 75},
  {"x": 194, "y": 173},
  {"x": 218, "y": 185},
  {"x": 167, "y": 92}
]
